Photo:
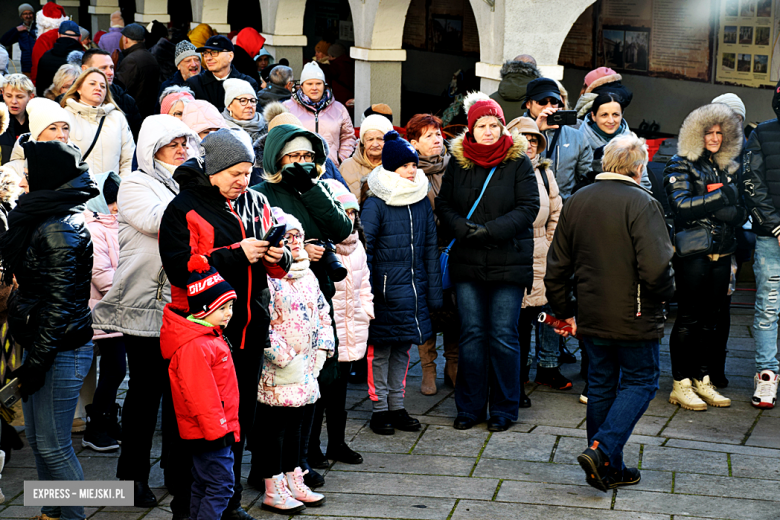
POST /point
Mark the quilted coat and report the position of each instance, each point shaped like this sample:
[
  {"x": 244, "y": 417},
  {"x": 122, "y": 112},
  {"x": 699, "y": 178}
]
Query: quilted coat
[
  {"x": 353, "y": 303},
  {"x": 403, "y": 256}
]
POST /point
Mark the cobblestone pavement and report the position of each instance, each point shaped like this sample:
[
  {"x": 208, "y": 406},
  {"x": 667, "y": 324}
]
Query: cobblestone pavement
[{"x": 722, "y": 463}]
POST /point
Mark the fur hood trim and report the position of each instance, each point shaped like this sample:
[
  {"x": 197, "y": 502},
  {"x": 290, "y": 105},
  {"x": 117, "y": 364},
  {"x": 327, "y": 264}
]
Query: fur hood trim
[
  {"x": 519, "y": 146},
  {"x": 473, "y": 97},
  {"x": 690, "y": 144},
  {"x": 9, "y": 185},
  {"x": 5, "y": 118},
  {"x": 520, "y": 67},
  {"x": 585, "y": 103},
  {"x": 272, "y": 110},
  {"x": 612, "y": 78}
]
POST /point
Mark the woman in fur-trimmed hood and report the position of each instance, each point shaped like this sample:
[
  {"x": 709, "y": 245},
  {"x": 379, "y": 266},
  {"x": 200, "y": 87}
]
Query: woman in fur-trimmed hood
[
  {"x": 706, "y": 200},
  {"x": 491, "y": 263}
]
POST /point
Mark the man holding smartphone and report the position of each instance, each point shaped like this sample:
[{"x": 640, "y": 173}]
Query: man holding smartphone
[
  {"x": 569, "y": 151},
  {"x": 215, "y": 215}
]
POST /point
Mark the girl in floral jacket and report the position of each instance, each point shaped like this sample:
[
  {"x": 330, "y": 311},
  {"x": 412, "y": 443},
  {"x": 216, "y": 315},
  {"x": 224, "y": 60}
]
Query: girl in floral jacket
[{"x": 301, "y": 340}]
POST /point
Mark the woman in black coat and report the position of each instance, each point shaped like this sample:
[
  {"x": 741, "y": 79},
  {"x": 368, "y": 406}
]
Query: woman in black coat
[
  {"x": 705, "y": 198},
  {"x": 491, "y": 263},
  {"x": 49, "y": 250}
]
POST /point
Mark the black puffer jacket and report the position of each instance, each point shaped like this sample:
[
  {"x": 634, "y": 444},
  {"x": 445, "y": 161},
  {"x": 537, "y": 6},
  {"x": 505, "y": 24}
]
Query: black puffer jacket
[
  {"x": 508, "y": 210},
  {"x": 50, "y": 312},
  {"x": 693, "y": 168},
  {"x": 762, "y": 175}
]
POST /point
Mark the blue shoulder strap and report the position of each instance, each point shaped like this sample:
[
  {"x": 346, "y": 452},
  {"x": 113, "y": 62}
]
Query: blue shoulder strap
[{"x": 484, "y": 187}]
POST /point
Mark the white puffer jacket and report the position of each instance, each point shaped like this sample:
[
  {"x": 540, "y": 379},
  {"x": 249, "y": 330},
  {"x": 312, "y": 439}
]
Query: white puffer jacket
[
  {"x": 115, "y": 146},
  {"x": 353, "y": 303},
  {"x": 134, "y": 304}
]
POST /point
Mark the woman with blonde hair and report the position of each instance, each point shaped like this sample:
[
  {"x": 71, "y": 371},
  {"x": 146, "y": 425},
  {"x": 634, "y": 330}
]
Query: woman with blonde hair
[
  {"x": 62, "y": 81},
  {"x": 100, "y": 129}
]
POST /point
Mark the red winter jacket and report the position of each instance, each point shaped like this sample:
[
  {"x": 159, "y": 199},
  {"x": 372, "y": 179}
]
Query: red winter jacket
[{"x": 203, "y": 381}]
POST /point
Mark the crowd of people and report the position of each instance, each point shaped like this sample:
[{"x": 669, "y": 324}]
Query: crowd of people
[{"x": 187, "y": 212}]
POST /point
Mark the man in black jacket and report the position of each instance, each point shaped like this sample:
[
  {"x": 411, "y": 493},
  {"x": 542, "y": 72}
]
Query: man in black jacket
[
  {"x": 612, "y": 238},
  {"x": 218, "y": 56},
  {"x": 216, "y": 216},
  {"x": 762, "y": 196},
  {"x": 138, "y": 72},
  {"x": 54, "y": 58},
  {"x": 280, "y": 85}
]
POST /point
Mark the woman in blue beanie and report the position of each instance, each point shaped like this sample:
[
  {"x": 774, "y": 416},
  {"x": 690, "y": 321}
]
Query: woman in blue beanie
[{"x": 403, "y": 256}]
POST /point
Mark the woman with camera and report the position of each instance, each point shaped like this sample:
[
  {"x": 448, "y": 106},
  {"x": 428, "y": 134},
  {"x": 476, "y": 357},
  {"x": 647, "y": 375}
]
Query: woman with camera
[
  {"x": 704, "y": 195},
  {"x": 293, "y": 161}
]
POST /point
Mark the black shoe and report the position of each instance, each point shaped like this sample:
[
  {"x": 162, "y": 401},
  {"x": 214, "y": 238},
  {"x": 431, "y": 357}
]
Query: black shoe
[
  {"x": 465, "y": 423},
  {"x": 629, "y": 477},
  {"x": 525, "y": 401},
  {"x": 381, "y": 424},
  {"x": 594, "y": 463},
  {"x": 499, "y": 424},
  {"x": 312, "y": 478},
  {"x": 343, "y": 453},
  {"x": 143, "y": 496},
  {"x": 566, "y": 356},
  {"x": 237, "y": 514},
  {"x": 552, "y": 377},
  {"x": 316, "y": 459},
  {"x": 96, "y": 436},
  {"x": 401, "y": 420}
]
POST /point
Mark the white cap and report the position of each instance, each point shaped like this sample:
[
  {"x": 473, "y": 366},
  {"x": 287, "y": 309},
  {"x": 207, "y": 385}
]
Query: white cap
[
  {"x": 43, "y": 112},
  {"x": 375, "y": 122},
  {"x": 733, "y": 102},
  {"x": 312, "y": 71},
  {"x": 235, "y": 87}
]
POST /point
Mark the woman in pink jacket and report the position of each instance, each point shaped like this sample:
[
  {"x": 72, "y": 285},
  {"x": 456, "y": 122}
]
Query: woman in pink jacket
[
  {"x": 313, "y": 103},
  {"x": 103, "y": 432}
]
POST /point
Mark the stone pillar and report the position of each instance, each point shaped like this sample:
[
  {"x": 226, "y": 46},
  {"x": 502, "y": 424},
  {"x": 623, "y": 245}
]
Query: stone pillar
[
  {"x": 377, "y": 79},
  {"x": 149, "y": 10},
  {"x": 287, "y": 46},
  {"x": 100, "y": 15}
]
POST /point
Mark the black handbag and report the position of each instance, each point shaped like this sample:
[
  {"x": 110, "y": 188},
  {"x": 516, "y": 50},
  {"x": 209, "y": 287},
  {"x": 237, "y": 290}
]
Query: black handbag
[{"x": 692, "y": 241}]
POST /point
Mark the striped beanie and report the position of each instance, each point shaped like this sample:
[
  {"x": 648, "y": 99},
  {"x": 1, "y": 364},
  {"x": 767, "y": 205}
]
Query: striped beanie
[{"x": 342, "y": 194}]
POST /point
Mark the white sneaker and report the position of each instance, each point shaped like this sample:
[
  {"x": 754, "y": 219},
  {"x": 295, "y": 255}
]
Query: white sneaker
[
  {"x": 277, "y": 497},
  {"x": 301, "y": 491},
  {"x": 583, "y": 399},
  {"x": 765, "y": 385},
  {"x": 683, "y": 394},
  {"x": 709, "y": 394}
]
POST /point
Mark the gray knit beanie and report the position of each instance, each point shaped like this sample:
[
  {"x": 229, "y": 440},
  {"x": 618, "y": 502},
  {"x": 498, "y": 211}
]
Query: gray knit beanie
[
  {"x": 225, "y": 148},
  {"x": 184, "y": 49}
]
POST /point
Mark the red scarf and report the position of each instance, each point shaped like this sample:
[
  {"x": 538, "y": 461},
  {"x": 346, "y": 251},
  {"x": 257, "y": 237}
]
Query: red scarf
[{"x": 486, "y": 155}]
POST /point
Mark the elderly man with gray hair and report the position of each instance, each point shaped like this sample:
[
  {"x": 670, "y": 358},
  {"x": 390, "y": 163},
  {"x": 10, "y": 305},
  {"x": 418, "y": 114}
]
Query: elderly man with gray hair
[
  {"x": 612, "y": 239},
  {"x": 280, "y": 85}
]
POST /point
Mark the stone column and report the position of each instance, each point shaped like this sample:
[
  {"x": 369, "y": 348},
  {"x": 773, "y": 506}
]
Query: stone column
[
  {"x": 377, "y": 79},
  {"x": 288, "y": 46},
  {"x": 150, "y": 10},
  {"x": 100, "y": 15}
]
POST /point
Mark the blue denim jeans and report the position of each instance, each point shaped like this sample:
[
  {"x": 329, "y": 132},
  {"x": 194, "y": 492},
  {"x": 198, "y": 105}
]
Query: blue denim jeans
[
  {"x": 612, "y": 414},
  {"x": 766, "y": 266},
  {"x": 489, "y": 351},
  {"x": 48, "y": 419},
  {"x": 212, "y": 484}
]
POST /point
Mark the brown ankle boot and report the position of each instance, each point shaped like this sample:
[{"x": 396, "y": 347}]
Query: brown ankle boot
[
  {"x": 428, "y": 363},
  {"x": 451, "y": 367}
]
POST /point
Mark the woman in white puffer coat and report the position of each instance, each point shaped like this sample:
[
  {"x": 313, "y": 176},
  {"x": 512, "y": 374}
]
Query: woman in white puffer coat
[{"x": 89, "y": 101}]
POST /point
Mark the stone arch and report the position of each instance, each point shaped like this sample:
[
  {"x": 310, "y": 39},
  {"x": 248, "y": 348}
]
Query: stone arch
[{"x": 379, "y": 24}]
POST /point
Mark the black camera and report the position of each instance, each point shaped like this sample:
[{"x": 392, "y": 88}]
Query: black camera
[
  {"x": 562, "y": 117},
  {"x": 333, "y": 266}
]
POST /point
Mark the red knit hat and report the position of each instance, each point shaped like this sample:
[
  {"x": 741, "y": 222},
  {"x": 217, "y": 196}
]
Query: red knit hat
[{"x": 477, "y": 105}]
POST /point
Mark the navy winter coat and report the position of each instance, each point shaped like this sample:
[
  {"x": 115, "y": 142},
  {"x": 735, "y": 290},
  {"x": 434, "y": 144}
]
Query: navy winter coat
[{"x": 403, "y": 257}]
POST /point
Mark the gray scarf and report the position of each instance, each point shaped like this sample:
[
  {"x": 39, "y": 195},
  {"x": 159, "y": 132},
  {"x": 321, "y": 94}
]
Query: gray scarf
[{"x": 254, "y": 127}]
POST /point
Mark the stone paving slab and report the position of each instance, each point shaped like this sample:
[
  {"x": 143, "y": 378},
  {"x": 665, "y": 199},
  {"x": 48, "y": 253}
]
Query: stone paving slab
[
  {"x": 520, "y": 446},
  {"x": 688, "y": 461},
  {"x": 581, "y": 433},
  {"x": 749, "y": 466},
  {"x": 553, "y": 494},
  {"x": 409, "y": 485},
  {"x": 380, "y": 506},
  {"x": 709, "y": 507},
  {"x": 725, "y": 448},
  {"x": 400, "y": 442},
  {"x": 728, "y": 425},
  {"x": 445, "y": 440},
  {"x": 727, "y": 487},
  {"x": 766, "y": 433},
  {"x": 472, "y": 510},
  {"x": 415, "y": 464}
]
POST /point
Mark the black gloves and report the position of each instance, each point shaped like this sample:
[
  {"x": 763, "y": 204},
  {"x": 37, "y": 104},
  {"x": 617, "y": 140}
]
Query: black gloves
[
  {"x": 31, "y": 378},
  {"x": 733, "y": 215},
  {"x": 300, "y": 176},
  {"x": 731, "y": 193},
  {"x": 478, "y": 235}
]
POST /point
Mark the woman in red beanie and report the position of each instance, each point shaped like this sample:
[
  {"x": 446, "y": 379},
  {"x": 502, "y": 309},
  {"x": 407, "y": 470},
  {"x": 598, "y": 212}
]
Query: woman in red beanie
[{"x": 488, "y": 202}]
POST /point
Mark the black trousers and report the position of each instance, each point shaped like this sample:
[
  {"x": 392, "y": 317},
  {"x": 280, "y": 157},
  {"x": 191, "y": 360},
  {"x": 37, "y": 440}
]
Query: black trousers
[
  {"x": 280, "y": 438},
  {"x": 701, "y": 303},
  {"x": 332, "y": 402}
]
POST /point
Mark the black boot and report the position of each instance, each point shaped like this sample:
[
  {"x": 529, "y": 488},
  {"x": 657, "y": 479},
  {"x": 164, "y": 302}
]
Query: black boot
[
  {"x": 96, "y": 435},
  {"x": 142, "y": 495}
]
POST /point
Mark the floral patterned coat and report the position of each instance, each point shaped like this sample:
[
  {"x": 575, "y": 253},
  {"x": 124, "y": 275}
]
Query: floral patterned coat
[{"x": 300, "y": 325}]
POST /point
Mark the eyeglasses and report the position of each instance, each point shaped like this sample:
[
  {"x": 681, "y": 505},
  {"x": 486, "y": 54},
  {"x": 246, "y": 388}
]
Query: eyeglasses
[
  {"x": 532, "y": 140},
  {"x": 301, "y": 157},
  {"x": 293, "y": 237},
  {"x": 211, "y": 52},
  {"x": 244, "y": 101},
  {"x": 549, "y": 101}
]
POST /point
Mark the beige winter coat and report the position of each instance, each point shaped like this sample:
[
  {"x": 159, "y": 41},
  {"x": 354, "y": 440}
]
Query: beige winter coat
[
  {"x": 544, "y": 229},
  {"x": 355, "y": 170}
]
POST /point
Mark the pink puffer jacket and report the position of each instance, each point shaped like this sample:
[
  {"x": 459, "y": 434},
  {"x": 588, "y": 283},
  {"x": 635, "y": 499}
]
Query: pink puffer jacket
[
  {"x": 332, "y": 123},
  {"x": 353, "y": 303},
  {"x": 105, "y": 246}
]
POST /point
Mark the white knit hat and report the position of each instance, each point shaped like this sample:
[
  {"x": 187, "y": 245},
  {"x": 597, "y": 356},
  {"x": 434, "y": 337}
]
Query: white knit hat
[
  {"x": 235, "y": 87},
  {"x": 375, "y": 122},
  {"x": 733, "y": 102},
  {"x": 312, "y": 71},
  {"x": 43, "y": 112},
  {"x": 297, "y": 144}
]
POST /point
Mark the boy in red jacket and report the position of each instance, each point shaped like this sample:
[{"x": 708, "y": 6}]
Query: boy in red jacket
[{"x": 204, "y": 386}]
